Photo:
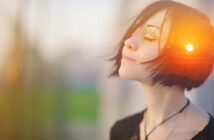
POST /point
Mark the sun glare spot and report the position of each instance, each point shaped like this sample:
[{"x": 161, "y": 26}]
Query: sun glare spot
[{"x": 189, "y": 47}]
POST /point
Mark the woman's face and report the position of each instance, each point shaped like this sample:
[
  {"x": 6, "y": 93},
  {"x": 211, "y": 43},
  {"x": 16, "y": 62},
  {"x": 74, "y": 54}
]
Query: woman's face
[{"x": 143, "y": 46}]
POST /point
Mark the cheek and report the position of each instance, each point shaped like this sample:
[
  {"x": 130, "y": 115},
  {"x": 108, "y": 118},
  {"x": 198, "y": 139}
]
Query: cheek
[
  {"x": 134, "y": 71},
  {"x": 148, "y": 52}
]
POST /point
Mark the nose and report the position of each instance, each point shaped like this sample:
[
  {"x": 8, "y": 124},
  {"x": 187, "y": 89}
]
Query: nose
[{"x": 131, "y": 43}]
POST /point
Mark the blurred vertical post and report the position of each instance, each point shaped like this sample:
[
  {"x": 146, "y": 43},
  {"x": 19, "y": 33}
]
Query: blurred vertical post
[{"x": 12, "y": 104}]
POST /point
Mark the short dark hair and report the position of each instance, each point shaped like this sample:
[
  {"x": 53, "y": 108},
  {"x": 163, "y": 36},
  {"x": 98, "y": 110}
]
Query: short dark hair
[{"x": 173, "y": 66}]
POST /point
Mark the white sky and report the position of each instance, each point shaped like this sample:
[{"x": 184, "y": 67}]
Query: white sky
[
  {"x": 60, "y": 23},
  {"x": 83, "y": 22}
]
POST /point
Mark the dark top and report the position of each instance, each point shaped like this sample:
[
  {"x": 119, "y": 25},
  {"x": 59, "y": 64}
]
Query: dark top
[{"x": 128, "y": 129}]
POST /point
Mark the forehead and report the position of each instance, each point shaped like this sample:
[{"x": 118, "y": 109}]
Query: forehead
[
  {"x": 155, "y": 22},
  {"x": 157, "y": 19}
]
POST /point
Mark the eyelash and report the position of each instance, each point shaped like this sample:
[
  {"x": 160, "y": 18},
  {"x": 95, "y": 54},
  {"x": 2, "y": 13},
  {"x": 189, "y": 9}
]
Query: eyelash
[{"x": 150, "y": 39}]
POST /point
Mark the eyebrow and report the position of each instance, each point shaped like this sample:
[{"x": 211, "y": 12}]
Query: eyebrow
[{"x": 149, "y": 25}]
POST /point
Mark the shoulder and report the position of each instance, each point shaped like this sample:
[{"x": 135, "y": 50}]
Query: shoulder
[
  {"x": 210, "y": 129},
  {"x": 130, "y": 119},
  {"x": 126, "y": 126},
  {"x": 208, "y": 132},
  {"x": 196, "y": 118}
]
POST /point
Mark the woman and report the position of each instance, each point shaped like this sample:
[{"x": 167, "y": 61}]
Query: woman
[{"x": 168, "y": 49}]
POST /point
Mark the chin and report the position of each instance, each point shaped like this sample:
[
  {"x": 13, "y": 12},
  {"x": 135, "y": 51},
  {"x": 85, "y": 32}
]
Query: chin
[{"x": 130, "y": 74}]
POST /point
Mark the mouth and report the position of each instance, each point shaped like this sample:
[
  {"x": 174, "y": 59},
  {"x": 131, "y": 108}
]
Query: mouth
[{"x": 128, "y": 58}]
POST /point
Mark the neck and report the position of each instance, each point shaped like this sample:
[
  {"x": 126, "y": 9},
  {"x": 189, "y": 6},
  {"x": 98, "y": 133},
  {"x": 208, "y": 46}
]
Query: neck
[{"x": 162, "y": 102}]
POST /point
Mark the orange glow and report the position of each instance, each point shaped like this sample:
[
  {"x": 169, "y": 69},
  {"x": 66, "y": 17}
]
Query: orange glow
[{"x": 189, "y": 47}]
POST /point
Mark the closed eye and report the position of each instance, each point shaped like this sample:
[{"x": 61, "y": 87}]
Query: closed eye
[{"x": 150, "y": 39}]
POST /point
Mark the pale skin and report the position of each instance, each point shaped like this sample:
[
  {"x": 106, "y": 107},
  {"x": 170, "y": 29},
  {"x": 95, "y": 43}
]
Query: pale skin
[{"x": 161, "y": 101}]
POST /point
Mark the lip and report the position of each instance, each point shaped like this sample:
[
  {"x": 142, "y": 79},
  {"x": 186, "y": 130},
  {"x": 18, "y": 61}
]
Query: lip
[{"x": 129, "y": 58}]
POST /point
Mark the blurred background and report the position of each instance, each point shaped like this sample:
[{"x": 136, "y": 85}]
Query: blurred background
[{"x": 54, "y": 81}]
